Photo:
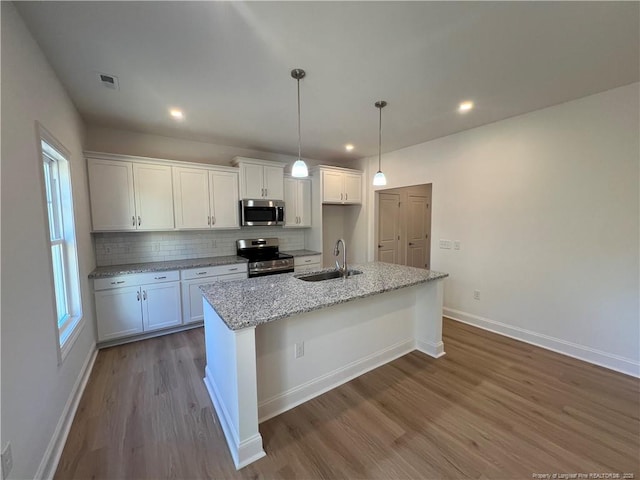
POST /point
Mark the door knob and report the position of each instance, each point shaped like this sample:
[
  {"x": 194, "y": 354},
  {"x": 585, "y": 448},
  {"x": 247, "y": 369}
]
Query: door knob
[
  {"x": 379, "y": 246},
  {"x": 411, "y": 244}
]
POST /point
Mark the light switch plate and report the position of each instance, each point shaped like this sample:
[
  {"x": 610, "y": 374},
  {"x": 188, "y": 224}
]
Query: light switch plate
[{"x": 445, "y": 244}]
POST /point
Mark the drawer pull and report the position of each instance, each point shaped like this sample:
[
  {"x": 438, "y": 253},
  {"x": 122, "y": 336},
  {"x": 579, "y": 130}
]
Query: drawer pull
[
  {"x": 160, "y": 278},
  {"x": 233, "y": 269},
  {"x": 201, "y": 273}
]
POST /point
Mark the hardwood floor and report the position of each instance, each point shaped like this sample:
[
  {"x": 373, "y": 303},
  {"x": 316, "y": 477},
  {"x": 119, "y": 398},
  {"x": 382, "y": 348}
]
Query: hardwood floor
[{"x": 491, "y": 408}]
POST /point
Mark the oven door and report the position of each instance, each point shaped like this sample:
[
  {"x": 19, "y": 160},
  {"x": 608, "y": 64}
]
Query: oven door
[{"x": 261, "y": 212}]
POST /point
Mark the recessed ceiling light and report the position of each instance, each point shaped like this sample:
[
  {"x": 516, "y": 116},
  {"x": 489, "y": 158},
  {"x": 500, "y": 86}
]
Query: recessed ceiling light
[
  {"x": 348, "y": 147},
  {"x": 177, "y": 114},
  {"x": 465, "y": 107}
]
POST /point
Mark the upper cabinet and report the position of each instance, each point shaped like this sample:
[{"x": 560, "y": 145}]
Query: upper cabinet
[
  {"x": 260, "y": 179},
  {"x": 340, "y": 185},
  {"x": 205, "y": 198},
  {"x": 297, "y": 200},
  {"x": 130, "y": 196}
]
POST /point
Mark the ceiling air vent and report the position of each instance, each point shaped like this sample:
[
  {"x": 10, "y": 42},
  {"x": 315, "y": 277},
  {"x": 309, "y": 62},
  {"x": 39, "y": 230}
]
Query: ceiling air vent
[{"x": 109, "y": 81}]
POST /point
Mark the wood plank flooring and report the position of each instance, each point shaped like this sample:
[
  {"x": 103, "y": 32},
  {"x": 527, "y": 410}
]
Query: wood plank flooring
[{"x": 491, "y": 408}]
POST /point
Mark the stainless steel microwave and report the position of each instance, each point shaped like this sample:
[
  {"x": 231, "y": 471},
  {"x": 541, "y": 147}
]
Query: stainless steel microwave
[{"x": 261, "y": 212}]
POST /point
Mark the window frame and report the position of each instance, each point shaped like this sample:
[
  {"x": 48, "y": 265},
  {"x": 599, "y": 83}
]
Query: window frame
[{"x": 54, "y": 157}]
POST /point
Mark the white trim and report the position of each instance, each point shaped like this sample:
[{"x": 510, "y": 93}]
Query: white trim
[
  {"x": 435, "y": 350},
  {"x": 245, "y": 452},
  {"x": 574, "y": 350},
  {"x": 158, "y": 161},
  {"x": 52, "y": 454},
  {"x": 278, "y": 404}
]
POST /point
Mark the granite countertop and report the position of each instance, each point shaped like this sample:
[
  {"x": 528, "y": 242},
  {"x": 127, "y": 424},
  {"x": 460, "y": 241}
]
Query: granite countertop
[
  {"x": 115, "y": 270},
  {"x": 302, "y": 253},
  {"x": 251, "y": 302}
]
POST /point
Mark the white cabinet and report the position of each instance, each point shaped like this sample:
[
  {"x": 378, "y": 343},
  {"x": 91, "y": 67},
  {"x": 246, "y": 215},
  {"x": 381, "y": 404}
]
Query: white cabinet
[
  {"x": 130, "y": 196},
  {"x": 260, "y": 179},
  {"x": 307, "y": 263},
  {"x": 341, "y": 186},
  {"x": 205, "y": 198},
  {"x": 297, "y": 200},
  {"x": 133, "y": 304},
  {"x": 193, "y": 278}
]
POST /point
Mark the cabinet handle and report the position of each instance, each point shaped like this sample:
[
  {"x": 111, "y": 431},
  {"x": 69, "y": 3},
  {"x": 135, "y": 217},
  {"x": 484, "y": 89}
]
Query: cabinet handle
[
  {"x": 144, "y": 294},
  {"x": 133, "y": 219},
  {"x": 139, "y": 221},
  {"x": 117, "y": 283},
  {"x": 213, "y": 220},
  {"x": 266, "y": 192},
  {"x": 138, "y": 295},
  {"x": 208, "y": 220},
  {"x": 346, "y": 196},
  {"x": 160, "y": 278},
  {"x": 201, "y": 273},
  {"x": 341, "y": 195},
  {"x": 233, "y": 269},
  {"x": 262, "y": 190},
  {"x": 307, "y": 261}
]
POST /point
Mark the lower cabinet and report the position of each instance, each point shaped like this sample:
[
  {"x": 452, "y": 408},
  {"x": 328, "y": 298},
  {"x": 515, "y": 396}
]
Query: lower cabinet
[
  {"x": 307, "y": 263},
  {"x": 194, "y": 278},
  {"x": 132, "y": 304}
]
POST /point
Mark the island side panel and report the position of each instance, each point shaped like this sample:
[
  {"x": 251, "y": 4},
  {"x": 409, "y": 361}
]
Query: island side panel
[
  {"x": 428, "y": 318},
  {"x": 230, "y": 377},
  {"x": 341, "y": 342}
]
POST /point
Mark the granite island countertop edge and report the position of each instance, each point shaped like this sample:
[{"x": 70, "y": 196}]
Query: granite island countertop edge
[{"x": 221, "y": 295}]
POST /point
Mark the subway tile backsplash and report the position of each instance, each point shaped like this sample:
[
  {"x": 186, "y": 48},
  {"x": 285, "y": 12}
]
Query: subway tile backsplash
[{"x": 116, "y": 248}]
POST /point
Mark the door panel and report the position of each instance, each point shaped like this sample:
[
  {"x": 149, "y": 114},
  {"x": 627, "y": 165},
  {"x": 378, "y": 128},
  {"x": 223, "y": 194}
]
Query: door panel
[
  {"x": 161, "y": 305},
  {"x": 388, "y": 228},
  {"x": 332, "y": 187},
  {"x": 252, "y": 181},
  {"x": 225, "y": 202},
  {"x": 273, "y": 183},
  {"x": 417, "y": 231},
  {"x": 352, "y": 188},
  {"x": 154, "y": 196},
  {"x": 191, "y": 197},
  {"x": 290, "y": 202},
  {"x": 304, "y": 202},
  {"x": 119, "y": 313},
  {"x": 112, "y": 198}
]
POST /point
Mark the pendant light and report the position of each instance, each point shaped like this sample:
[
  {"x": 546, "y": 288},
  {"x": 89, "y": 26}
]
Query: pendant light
[
  {"x": 379, "y": 179},
  {"x": 299, "y": 168}
]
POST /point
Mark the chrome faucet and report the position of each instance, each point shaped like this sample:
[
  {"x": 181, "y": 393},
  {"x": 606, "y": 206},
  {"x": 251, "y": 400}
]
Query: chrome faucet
[{"x": 336, "y": 252}]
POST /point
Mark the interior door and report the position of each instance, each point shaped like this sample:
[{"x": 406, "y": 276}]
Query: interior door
[
  {"x": 389, "y": 228},
  {"x": 417, "y": 231}
]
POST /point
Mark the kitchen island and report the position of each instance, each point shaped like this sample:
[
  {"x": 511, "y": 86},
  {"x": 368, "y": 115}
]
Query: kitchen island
[{"x": 275, "y": 342}]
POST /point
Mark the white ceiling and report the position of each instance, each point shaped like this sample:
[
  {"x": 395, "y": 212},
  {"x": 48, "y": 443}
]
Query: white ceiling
[{"x": 227, "y": 65}]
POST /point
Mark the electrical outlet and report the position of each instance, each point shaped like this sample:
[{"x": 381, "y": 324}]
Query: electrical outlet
[
  {"x": 299, "y": 350},
  {"x": 476, "y": 294},
  {"x": 107, "y": 250},
  {"x": 445, "y": 244},
  {"x": 7, "y": 461},
  {"x": 456, "y": 244}
]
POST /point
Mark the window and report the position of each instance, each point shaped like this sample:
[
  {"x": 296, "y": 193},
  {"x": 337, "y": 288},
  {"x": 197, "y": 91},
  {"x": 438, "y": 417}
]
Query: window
[{"x": 62, "y": 240}]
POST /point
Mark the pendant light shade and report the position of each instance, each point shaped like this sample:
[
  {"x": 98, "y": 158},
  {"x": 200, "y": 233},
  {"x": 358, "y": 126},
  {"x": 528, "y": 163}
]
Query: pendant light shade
[
  {"x": 379, "y": 179},
  {"x": 299, "y": 168}
]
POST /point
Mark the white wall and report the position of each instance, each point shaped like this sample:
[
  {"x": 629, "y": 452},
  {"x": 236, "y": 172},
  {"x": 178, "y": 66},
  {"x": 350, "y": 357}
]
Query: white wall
[
  {"x": 101, "y": 139},
  {"x": 35, "y": 389},
  {"x": 546, "y": 207}
]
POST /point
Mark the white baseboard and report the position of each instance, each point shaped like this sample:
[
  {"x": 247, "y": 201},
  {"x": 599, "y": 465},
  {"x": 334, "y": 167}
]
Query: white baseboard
[
  {"x": 581, "y": 352},
  {"x": 435, "y": 350},
  {"x": 52, "y": 454},
  {"x": 278, "y": 404},
  {"x": 245, "y": 452}
]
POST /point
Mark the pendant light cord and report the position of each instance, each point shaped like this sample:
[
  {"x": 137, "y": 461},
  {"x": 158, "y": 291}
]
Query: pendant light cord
[
  {"x": 299, "y": 135},
  {"x": 380, "y": 140}
]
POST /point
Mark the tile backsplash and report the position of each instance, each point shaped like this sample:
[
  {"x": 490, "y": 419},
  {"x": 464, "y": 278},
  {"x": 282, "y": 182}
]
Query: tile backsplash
[{"x": 116, "y": 248}]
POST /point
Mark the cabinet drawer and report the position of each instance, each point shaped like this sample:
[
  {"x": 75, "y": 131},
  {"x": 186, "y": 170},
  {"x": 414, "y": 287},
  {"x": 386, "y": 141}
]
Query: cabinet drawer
[
  {"x": 135, "y": 279},
  {"x": 304, "y": 261},
  {"x": 205, "y": 272}
]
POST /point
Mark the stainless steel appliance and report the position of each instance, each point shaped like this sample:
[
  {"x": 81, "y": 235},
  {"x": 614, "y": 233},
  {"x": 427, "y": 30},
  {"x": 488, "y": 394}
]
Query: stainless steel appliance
[
  {"x": 264, "y": 256},
  {"x": 261, "y": 212}
]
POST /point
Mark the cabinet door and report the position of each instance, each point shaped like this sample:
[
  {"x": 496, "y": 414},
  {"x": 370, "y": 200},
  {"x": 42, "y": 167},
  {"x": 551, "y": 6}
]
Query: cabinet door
[
  {"x": 111, "y": 192},
  {"x": 274, "y": 183},
  {"x": 192, "y": 307},
  {"x": 332, "y": 187},
  {"x": 119, "y": 313},
  {"x": 225, "y": 204},
  {"x": 191, "y": 197},
  {"x": 307, "y": 264},
  {"x": 252, "y": 181},
  {"x": 290, "y": 202},
  {"x": 161, "y": 305},
  {"x": 303, "y": 195},
  {"x": 154, "y": 196},
  {"x": 352, "y": 188}
]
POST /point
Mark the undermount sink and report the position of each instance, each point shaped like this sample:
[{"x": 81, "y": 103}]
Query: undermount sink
[{"x": 318, "y": 277}]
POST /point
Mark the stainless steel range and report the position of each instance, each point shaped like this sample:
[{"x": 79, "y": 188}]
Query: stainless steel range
[{"x": 264, "y": 256}]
